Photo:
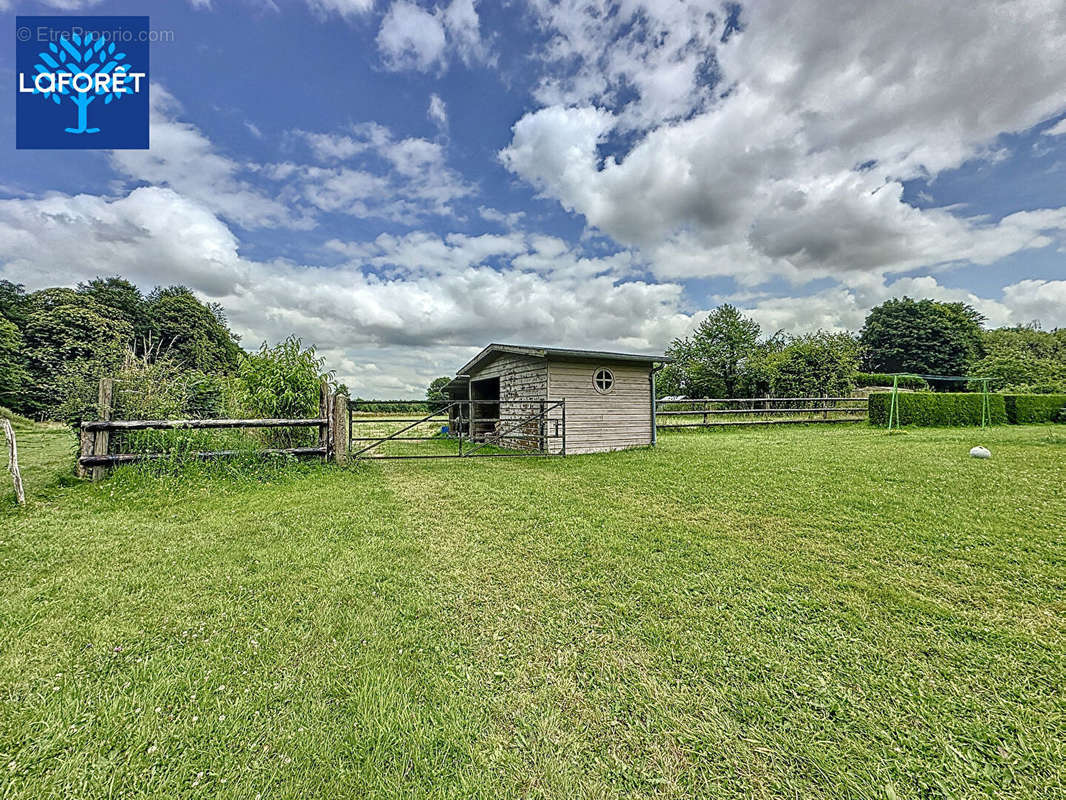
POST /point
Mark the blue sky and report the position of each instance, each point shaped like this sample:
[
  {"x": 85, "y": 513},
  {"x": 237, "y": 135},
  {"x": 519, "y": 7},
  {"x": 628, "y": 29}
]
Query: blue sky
[{"x": 402, "y": 182}]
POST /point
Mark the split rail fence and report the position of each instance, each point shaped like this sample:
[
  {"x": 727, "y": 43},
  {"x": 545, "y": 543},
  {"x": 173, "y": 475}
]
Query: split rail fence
[
  {"x": 106, "y": 442},
  {"x": 706, "y": 412}
]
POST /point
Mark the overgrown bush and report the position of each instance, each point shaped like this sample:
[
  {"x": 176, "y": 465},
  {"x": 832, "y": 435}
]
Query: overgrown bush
[
  {"x": 153, "y": 385},
  {"x": 147, "y": 388},
  {"x": 149, "y": 385},
  {"x": 1026, "y": 408},
  {"x": 816, "y": 364},
  {"x": 283, "y": 382},
  {"x": 936, "y": 409},
  {"x": 867, "y": 379}
]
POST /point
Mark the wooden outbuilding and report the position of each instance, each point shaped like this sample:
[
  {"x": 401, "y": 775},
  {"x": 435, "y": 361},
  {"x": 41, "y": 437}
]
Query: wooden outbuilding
[{"x": 609, "y": 397}]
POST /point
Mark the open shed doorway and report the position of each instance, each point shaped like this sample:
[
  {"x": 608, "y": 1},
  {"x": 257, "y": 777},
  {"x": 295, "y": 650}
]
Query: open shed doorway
[{"x": 484, "y": 407}]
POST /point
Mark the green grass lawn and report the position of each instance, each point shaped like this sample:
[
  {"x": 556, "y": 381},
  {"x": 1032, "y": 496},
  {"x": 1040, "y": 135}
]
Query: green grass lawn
[{"x": 802, "y": 612}]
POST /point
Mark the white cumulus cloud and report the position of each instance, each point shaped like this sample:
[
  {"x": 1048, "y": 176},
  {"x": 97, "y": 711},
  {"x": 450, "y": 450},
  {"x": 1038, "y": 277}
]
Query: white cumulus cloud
[
  {"x": 412, "y": 38},
  {"x": 794, "y": 165}
]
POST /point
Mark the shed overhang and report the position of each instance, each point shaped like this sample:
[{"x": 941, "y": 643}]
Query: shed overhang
[{"x": 558, "y": 353}]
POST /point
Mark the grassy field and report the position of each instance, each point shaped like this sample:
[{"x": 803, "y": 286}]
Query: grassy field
[{"x": 803, "y": 612}]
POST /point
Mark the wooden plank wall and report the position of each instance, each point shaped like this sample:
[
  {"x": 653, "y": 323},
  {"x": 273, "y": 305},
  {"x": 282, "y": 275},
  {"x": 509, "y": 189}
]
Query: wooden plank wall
[
  {"x": 522, "y": 378},
  {"x": 597, "y": 422}
]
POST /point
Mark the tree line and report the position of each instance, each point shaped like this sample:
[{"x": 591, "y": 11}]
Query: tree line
[
  {"x": 178, "y": 355},
  {"x": 726, "y": 355},
  {"x": 172, "y": 355}
]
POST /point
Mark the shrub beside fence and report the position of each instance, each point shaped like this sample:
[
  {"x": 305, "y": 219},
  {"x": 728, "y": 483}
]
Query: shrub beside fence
[
  {"x": 1026, "y": 408},
  {"x": 107, "y": 442},
  {"x": 937, "y": 409}
]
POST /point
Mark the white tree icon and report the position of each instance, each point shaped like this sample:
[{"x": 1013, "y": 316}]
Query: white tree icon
[{"x": 74, "y": 66}]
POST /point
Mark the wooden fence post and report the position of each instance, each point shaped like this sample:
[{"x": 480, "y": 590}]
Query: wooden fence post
[
  {"x": 86, "y": 440},
  {"x": 339, "y": 425},
  {"x": 103, "y": 438},
  {"x": 13, "y": 461}
]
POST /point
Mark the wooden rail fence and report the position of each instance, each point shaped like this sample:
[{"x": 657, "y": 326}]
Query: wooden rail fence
[
  {"x": 101, "y": 443},
  {"x": 704, "y": 412}
]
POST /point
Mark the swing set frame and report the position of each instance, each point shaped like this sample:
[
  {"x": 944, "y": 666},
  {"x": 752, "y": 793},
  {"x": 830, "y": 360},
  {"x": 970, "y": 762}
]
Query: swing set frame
[{"x": 893, "y": 408}]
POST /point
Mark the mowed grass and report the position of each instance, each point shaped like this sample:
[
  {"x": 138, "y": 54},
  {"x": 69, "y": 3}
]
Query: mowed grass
[{"x": 801, "y": 612}]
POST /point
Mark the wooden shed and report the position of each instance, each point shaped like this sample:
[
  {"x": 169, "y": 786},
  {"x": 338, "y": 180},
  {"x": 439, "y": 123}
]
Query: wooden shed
[{"x": 609, "y": 397}]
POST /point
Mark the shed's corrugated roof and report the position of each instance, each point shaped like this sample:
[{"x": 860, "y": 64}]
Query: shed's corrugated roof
[{"x": 556, "y": 352}]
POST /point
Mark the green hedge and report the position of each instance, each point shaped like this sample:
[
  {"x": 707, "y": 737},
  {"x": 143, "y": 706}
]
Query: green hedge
[
  {"x": 1025, "y": 408},
  {"x": 936, "y": 409},
  {"x": 389, "y": 406},
  {"x": 863, "y": 379}
]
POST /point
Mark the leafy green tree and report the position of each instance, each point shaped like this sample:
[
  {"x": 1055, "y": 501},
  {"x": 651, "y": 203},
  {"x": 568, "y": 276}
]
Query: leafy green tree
[
  {"x": 120, "y": 299},
  {"x": 192, "y": 332},
  {"x": 668, "y": 381},
  {"x": 757, "y": 379},
  {"x": 817, "y": 364},
  {"x": 14, "y": 303},
  {"x": 921, "y": 336},
  {"x": 711, "y": 362},
  {"x": 969, "y": 323},
  {"x": 1029, "y": 339},
  {"x": 1024, "y": 359},
  {"x": 68, "y": 347},
  {"x": 54, "y": 297},
  {"x": 435, "y": 392},
  {"x": 12, "y": 367}
]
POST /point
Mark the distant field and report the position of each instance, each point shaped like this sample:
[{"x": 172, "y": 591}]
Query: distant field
[
  {"x": 824, "y": 611},
  {"x": 377, "y": 425}
]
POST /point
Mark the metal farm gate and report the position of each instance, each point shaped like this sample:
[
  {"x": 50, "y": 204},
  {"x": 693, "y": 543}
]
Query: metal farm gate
[{"x": 464, "y": 429}]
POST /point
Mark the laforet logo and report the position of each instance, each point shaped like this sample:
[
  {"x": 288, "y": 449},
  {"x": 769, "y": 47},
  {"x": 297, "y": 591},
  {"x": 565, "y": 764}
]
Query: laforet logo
[{"x": 82, "y": 82}]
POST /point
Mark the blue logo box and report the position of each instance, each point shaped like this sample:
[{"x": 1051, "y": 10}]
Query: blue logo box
[{"x": 81, "y": 83}]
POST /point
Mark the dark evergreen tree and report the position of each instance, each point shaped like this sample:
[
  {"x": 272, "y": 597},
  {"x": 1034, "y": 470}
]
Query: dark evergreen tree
[{"x": 921, "y": 336}]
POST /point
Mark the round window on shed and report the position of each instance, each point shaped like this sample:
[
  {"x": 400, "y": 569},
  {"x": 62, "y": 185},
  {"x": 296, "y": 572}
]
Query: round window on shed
[{"x": 603, "y": 380}]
